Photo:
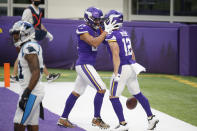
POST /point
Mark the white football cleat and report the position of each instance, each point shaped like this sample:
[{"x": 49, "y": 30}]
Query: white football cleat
[
  {"x": 152, "y": 122},
  {"x": 121, "y": 128}
]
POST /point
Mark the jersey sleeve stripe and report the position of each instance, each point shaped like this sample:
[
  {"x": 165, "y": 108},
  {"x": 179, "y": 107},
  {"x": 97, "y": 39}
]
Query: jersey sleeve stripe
[
  {"x": 81, "y": 32},
  {"x": 111, "y": 40}
]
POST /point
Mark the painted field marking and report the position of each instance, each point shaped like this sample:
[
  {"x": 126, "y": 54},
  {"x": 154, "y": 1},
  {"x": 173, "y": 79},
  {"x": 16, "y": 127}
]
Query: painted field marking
[{"x": 193, "y": 84}]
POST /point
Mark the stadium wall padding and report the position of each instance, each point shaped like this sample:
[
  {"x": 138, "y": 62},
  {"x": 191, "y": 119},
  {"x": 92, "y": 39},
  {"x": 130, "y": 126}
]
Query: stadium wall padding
[{"x": 161, "y": 47}]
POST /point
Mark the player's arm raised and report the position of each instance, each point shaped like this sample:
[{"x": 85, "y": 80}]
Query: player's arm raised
[
  {"x": 96, "y": 41},
  {"x": 115, "y": 56},
  {"x": 93, "y": 41}
]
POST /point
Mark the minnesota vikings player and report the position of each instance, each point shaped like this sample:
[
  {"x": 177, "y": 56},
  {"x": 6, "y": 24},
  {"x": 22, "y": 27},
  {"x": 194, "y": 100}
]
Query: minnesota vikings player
[
  {"x": 119, "y": 46},
  {"x": 88, "y": 41},
  {"x": 30, "y": 65}
]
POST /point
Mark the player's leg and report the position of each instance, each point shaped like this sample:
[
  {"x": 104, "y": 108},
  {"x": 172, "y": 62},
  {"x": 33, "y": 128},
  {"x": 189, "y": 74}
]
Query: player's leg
[
  {"x": 32, "y": 127},
  {"x": 92, "y": 78},
  {"x": 79, "y": 89},
  {"x": 19, "y": 127},
  {"x": 133, "y": 87},
  {"x": 50, "y": 76},
  {"x": 116, "y": 89},
  {"x": 14, "y": 77}
]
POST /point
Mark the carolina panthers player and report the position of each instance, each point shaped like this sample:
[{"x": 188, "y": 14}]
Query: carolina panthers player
[
  {"x": 88, "y": 41},
  {"x": 119, "y": 46},
  {"x": 30, "y": 66}
]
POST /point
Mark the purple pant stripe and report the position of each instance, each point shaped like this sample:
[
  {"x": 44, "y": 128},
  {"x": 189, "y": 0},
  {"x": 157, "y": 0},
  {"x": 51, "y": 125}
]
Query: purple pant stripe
[
  {"x": 114, "y": 88},
  {"x": 90, "y": 77}
]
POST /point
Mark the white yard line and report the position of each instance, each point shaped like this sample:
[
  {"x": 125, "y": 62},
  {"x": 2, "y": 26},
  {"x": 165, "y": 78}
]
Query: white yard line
[{"x": 82, "y": 113}]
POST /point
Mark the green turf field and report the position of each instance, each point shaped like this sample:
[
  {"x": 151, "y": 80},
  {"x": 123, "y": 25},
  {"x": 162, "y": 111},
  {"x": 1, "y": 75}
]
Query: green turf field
[{"x": 174, "y": 95}]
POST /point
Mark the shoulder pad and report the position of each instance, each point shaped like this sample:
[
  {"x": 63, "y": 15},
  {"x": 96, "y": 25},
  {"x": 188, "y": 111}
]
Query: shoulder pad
[
  {"x": 82, "y": 29},
  {"x": 31, "y": 48},
  {"x": 111, "y": 37}
]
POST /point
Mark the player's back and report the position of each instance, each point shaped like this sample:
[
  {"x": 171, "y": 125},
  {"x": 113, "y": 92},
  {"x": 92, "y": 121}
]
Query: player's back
[
  {"x": 23, "y": 67},
  {"x": 124, "y": 43},
  {"x": 86, "y": 53}
]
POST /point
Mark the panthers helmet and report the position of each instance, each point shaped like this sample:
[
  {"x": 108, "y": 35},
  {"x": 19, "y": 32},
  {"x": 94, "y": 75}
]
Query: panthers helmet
[
  {"x": 114, "y": 15},
  {"x": 25, "y": 30},
  {"x": 93, "y": 17}
]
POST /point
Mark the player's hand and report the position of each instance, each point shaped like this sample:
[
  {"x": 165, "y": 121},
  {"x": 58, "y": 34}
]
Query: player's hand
[
  {"x": 117, "y": 77},
  {"x": 24, "y": 98},
  {"x": 50, "y": 36},
  {"x": 110, "y": 26}
]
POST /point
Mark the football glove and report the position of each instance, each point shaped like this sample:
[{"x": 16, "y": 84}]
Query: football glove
[
  {"x": 50, "y": 36},
  {"x": 110, "y": 27},
  {"x": 117, "y": 78},
  {"x": 24, "y": 98}
]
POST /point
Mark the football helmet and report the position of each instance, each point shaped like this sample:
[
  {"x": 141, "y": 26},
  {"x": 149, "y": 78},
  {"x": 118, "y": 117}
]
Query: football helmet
[
  {"x": 116, "y": 16},
  {"x": 93, "y": 17},
  {"x": 25, "y": 31}
]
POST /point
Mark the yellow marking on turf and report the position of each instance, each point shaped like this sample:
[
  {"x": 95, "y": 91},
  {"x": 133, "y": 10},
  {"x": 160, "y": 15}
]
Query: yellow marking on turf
[
  {"x": 193, "y": 84},
  {"x": 65, "y": 74}
]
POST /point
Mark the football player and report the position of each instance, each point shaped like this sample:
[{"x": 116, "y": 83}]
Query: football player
[
  {"x": 120, "y": 49},
  {"x": 88, "y": 41},
  {"x": 30, "y": 67}
]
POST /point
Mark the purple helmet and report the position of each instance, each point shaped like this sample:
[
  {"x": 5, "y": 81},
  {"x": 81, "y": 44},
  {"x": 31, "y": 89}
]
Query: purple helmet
[
  {"x": 114, "y": 15},
  {"x": 93, "y": 16}
]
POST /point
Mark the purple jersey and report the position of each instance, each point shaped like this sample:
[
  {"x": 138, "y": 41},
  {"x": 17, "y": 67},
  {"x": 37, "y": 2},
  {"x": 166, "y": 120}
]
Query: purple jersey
[
  {"x": 121, "y": 37},
  {"x": 86, "y": 53}
]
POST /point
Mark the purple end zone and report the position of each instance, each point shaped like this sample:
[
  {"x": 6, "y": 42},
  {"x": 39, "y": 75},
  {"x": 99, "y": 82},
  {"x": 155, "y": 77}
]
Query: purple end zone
[{"x": 8, "y": 101}]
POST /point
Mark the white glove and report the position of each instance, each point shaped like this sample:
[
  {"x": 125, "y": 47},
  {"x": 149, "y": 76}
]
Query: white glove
[
  {"x": 109, "y": 27},
  {"x": 50, "y": 36},
  {"x": 117, "y": 78}
]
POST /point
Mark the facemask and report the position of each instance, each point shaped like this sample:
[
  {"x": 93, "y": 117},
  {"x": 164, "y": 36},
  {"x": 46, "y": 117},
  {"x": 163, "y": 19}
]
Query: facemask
[{"x": 36, "y": 3}]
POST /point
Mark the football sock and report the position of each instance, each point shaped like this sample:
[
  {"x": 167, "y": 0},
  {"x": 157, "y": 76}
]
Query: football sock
[
  {"x": 69, "y": 105},
  {"x": 98, "y": 101},
  {"x": 117, "y": 108},
  {"x": 144, "y": 102}
]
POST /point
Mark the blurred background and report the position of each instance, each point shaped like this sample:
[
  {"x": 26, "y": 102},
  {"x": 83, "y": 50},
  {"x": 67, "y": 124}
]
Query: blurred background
[{"x": 145, "y": 10}]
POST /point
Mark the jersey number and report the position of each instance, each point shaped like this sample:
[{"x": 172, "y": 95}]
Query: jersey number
[{"x": 127, "y": 46}]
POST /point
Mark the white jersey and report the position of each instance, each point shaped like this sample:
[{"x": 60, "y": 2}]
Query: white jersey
[{"x": 23, "y": 68}]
